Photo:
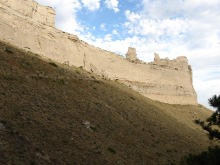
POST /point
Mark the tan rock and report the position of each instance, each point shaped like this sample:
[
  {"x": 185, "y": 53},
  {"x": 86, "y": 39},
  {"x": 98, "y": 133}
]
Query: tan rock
[
  {"x": 131, "y": 54},
  {"x": 156, "y": 57},
  {"x": 30, "y": 26}
]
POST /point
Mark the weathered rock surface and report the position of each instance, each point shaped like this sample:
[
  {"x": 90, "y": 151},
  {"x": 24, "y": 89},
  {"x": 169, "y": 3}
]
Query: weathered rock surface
[
  {"x": 156, "y": 57},
  {"x": 131, "y": 54},
  {"x": 30, "y": 26}
]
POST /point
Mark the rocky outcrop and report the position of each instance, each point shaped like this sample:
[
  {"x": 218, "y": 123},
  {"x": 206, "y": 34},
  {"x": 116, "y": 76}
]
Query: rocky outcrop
[
  {"x": 156, "y": 57},
  {"x": 131, "y": 54},
  {"x": 30, "y": 9},
  {"x": 30, "y": 26}
]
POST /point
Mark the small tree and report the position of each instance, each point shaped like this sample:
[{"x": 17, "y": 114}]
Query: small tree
[
  {"x": 215, "y": 102},
  {"x": 212, "y": 156},
  {"x": 214, "y": 119}
]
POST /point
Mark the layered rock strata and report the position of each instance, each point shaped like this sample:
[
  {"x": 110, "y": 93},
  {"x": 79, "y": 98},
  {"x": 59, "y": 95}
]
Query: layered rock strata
[{"x": 26, "y": 24}]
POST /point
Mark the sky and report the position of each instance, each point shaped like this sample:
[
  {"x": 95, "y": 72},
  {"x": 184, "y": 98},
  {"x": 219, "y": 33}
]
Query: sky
[{"x": 170, "y": 28}]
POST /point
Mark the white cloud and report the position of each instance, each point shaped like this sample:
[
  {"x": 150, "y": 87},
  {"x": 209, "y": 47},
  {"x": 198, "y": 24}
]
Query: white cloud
[
  {"x": 206, "y": 83},
  {"x": 115, "y": 32},
  {"x": 103, "y": 26},
  {"x": 112, "y": 4},
  {"x": 132, "y": 16},
  {"x": 91, "y": 5},
  {"x": 177, "y": 24},
  {"x": 108, "y": 38},
  {"x": 51, "y": 3},
  {"x": 65, "y": 14}
]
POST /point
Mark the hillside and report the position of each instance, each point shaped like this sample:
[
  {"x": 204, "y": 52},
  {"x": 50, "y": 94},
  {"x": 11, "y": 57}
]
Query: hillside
[{"x": 56, "y": 114}]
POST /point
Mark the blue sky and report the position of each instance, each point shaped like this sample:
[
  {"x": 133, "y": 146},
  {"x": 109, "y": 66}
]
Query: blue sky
[{"x": 168, "y": 27}]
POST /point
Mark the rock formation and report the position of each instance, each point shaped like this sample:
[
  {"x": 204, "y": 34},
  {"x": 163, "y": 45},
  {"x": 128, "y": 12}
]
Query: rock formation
[
  {"x": 131, "y": 54},
  {"x": 156, "y": 57},
  {"x": 30, "y": 26}
]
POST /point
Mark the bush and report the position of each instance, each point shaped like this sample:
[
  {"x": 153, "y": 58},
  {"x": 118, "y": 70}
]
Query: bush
[
  {"x": 93, "y": 77},
  {"x": 111, "y": 150},
  {"x": 53, "y": 64},
  {"x": 8, "y": 50},
  {"x": 77, "y": 71},
  {"x": 210, "y": 157},
  {"x": 81, "y": 67}
]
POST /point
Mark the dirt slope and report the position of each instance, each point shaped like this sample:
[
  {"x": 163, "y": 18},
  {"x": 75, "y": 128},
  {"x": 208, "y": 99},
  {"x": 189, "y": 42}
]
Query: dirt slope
[{"x": 55, "y": 114}]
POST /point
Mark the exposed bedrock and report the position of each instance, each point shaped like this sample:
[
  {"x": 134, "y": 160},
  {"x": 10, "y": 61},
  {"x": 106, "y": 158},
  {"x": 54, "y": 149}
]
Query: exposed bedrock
[{"x": 28, "y": 25}]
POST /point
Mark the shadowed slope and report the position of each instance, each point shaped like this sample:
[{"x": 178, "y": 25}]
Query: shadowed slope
[{"x": 55, "y": 114}]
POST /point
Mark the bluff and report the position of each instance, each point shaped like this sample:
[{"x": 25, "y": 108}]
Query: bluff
[{"x": 30, "y": 26}]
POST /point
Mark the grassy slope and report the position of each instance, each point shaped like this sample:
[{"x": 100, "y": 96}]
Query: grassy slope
[{"x": 43, "y": 109}]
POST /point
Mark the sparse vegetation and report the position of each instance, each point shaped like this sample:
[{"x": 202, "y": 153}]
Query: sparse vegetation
[
  {"x": 93, "y": 77},
  {"x": 210, "y": 157},
  {"x": 53, "y": 64},
  {"x": 93, "y": 128},
  {"x": 81, "y": 67},
  {"x": 111, "y": 150},
  {"x": 132, "y": 98},
  {"x": 97, "y": 81},
  {"x": 77, "y": 71},
  {"x": 26, "y": 64},
  {"x": 8, "y": 50},
  {"x": 42, "y": 109},
  {"x": 8, "y": 77}
]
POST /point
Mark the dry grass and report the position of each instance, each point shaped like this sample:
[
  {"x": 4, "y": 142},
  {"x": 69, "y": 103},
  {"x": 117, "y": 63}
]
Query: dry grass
[{"x": 54, "y": 114}]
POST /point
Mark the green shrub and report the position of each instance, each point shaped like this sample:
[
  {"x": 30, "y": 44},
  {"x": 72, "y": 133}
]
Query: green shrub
[
  {"x": 132, "y": 98},
  {"x": 33, "y": 162},
  {"x": 93, "y": 128},
  {"x": 93, "y": 77},
  {"x": 111, "y": 150},
  {"x": 97, "y": 81},
  {"x": 8, "y": 50},
  {"x": 77, "y": 71},
  {"x": 210, "y": 157},
  {"x": 53, "y": 64}
]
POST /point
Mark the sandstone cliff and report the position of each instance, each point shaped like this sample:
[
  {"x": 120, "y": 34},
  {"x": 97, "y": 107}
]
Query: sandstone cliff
[{"x": 30, "y": 26}]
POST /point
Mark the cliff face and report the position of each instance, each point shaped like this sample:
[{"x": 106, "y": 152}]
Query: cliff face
[{"x": 30, "y": 26}]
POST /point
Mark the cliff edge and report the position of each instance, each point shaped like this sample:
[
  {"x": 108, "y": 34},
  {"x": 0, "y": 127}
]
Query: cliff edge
[{"x": 30, "y": 26}]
